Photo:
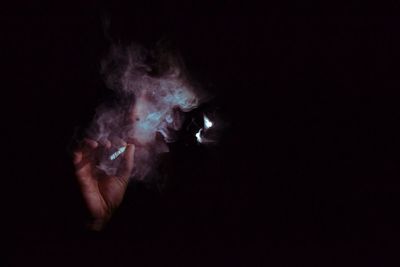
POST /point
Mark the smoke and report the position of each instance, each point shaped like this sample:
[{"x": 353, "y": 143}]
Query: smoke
[{"x": 153, "y": 92}]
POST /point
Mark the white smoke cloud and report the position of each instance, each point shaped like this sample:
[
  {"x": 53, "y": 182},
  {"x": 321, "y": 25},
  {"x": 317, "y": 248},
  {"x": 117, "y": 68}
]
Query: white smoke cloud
[{"x": 153, "y": 91}]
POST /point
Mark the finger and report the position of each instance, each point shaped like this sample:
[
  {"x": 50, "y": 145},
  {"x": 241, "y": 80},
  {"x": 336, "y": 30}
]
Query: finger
[
  {"x": 81, "y": 162},
  {"x": 90, "y": 143},
  {"x": 107, "y": 143},
  {"x": 88, "y": 147},
  {"x": 85, "y": 179},
  {"x": 84, "y": 153},
  {"x": 118, "y": 142},
  {"x": 128, "y": 162},
  {"x": 83, "y": 169},
  {"x": 78, "y": 156},
  {"x": 129, "y": 157}
]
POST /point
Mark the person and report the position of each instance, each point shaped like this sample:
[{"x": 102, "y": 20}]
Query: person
[{"x": 102, "y": 193}]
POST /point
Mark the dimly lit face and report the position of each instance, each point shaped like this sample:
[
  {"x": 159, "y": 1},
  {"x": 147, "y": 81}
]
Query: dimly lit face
[{"x": 157, "y": 104}]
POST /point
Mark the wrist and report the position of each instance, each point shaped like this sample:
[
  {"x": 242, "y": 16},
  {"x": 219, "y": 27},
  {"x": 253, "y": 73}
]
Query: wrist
[{"x": 96, "y": 224}]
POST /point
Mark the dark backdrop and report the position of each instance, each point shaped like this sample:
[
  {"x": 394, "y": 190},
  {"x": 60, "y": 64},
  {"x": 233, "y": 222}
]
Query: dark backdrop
[{"x": 306, "y": 173}]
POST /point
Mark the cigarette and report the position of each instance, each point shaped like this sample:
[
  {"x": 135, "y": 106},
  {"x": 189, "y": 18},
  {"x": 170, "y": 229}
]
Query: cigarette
[{"x": 117, "y": 153}]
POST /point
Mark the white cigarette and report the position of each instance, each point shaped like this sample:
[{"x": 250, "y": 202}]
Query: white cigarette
[{"x": 117, "y": 153}]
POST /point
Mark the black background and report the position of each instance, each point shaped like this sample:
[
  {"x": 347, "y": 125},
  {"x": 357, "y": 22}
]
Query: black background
[{"x": 307, "y": 173}]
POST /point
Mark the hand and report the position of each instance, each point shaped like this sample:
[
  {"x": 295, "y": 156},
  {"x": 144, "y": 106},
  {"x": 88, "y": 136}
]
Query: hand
[{"x": 102, "y": 193}]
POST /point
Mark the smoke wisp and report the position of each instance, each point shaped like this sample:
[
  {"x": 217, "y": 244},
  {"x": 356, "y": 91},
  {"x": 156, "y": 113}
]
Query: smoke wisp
[{"x": 153, "y": 93}]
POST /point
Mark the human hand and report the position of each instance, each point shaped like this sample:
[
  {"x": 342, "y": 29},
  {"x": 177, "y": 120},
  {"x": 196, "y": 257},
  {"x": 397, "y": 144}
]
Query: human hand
[{"x": 102, "y": 193}]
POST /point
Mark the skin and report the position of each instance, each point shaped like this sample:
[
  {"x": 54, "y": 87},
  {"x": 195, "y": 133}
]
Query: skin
[{"x": 102, "y": 193}]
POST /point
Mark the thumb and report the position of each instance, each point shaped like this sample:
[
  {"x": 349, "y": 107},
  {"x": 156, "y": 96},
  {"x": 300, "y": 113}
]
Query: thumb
[{"x": 128, "y": 162}]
